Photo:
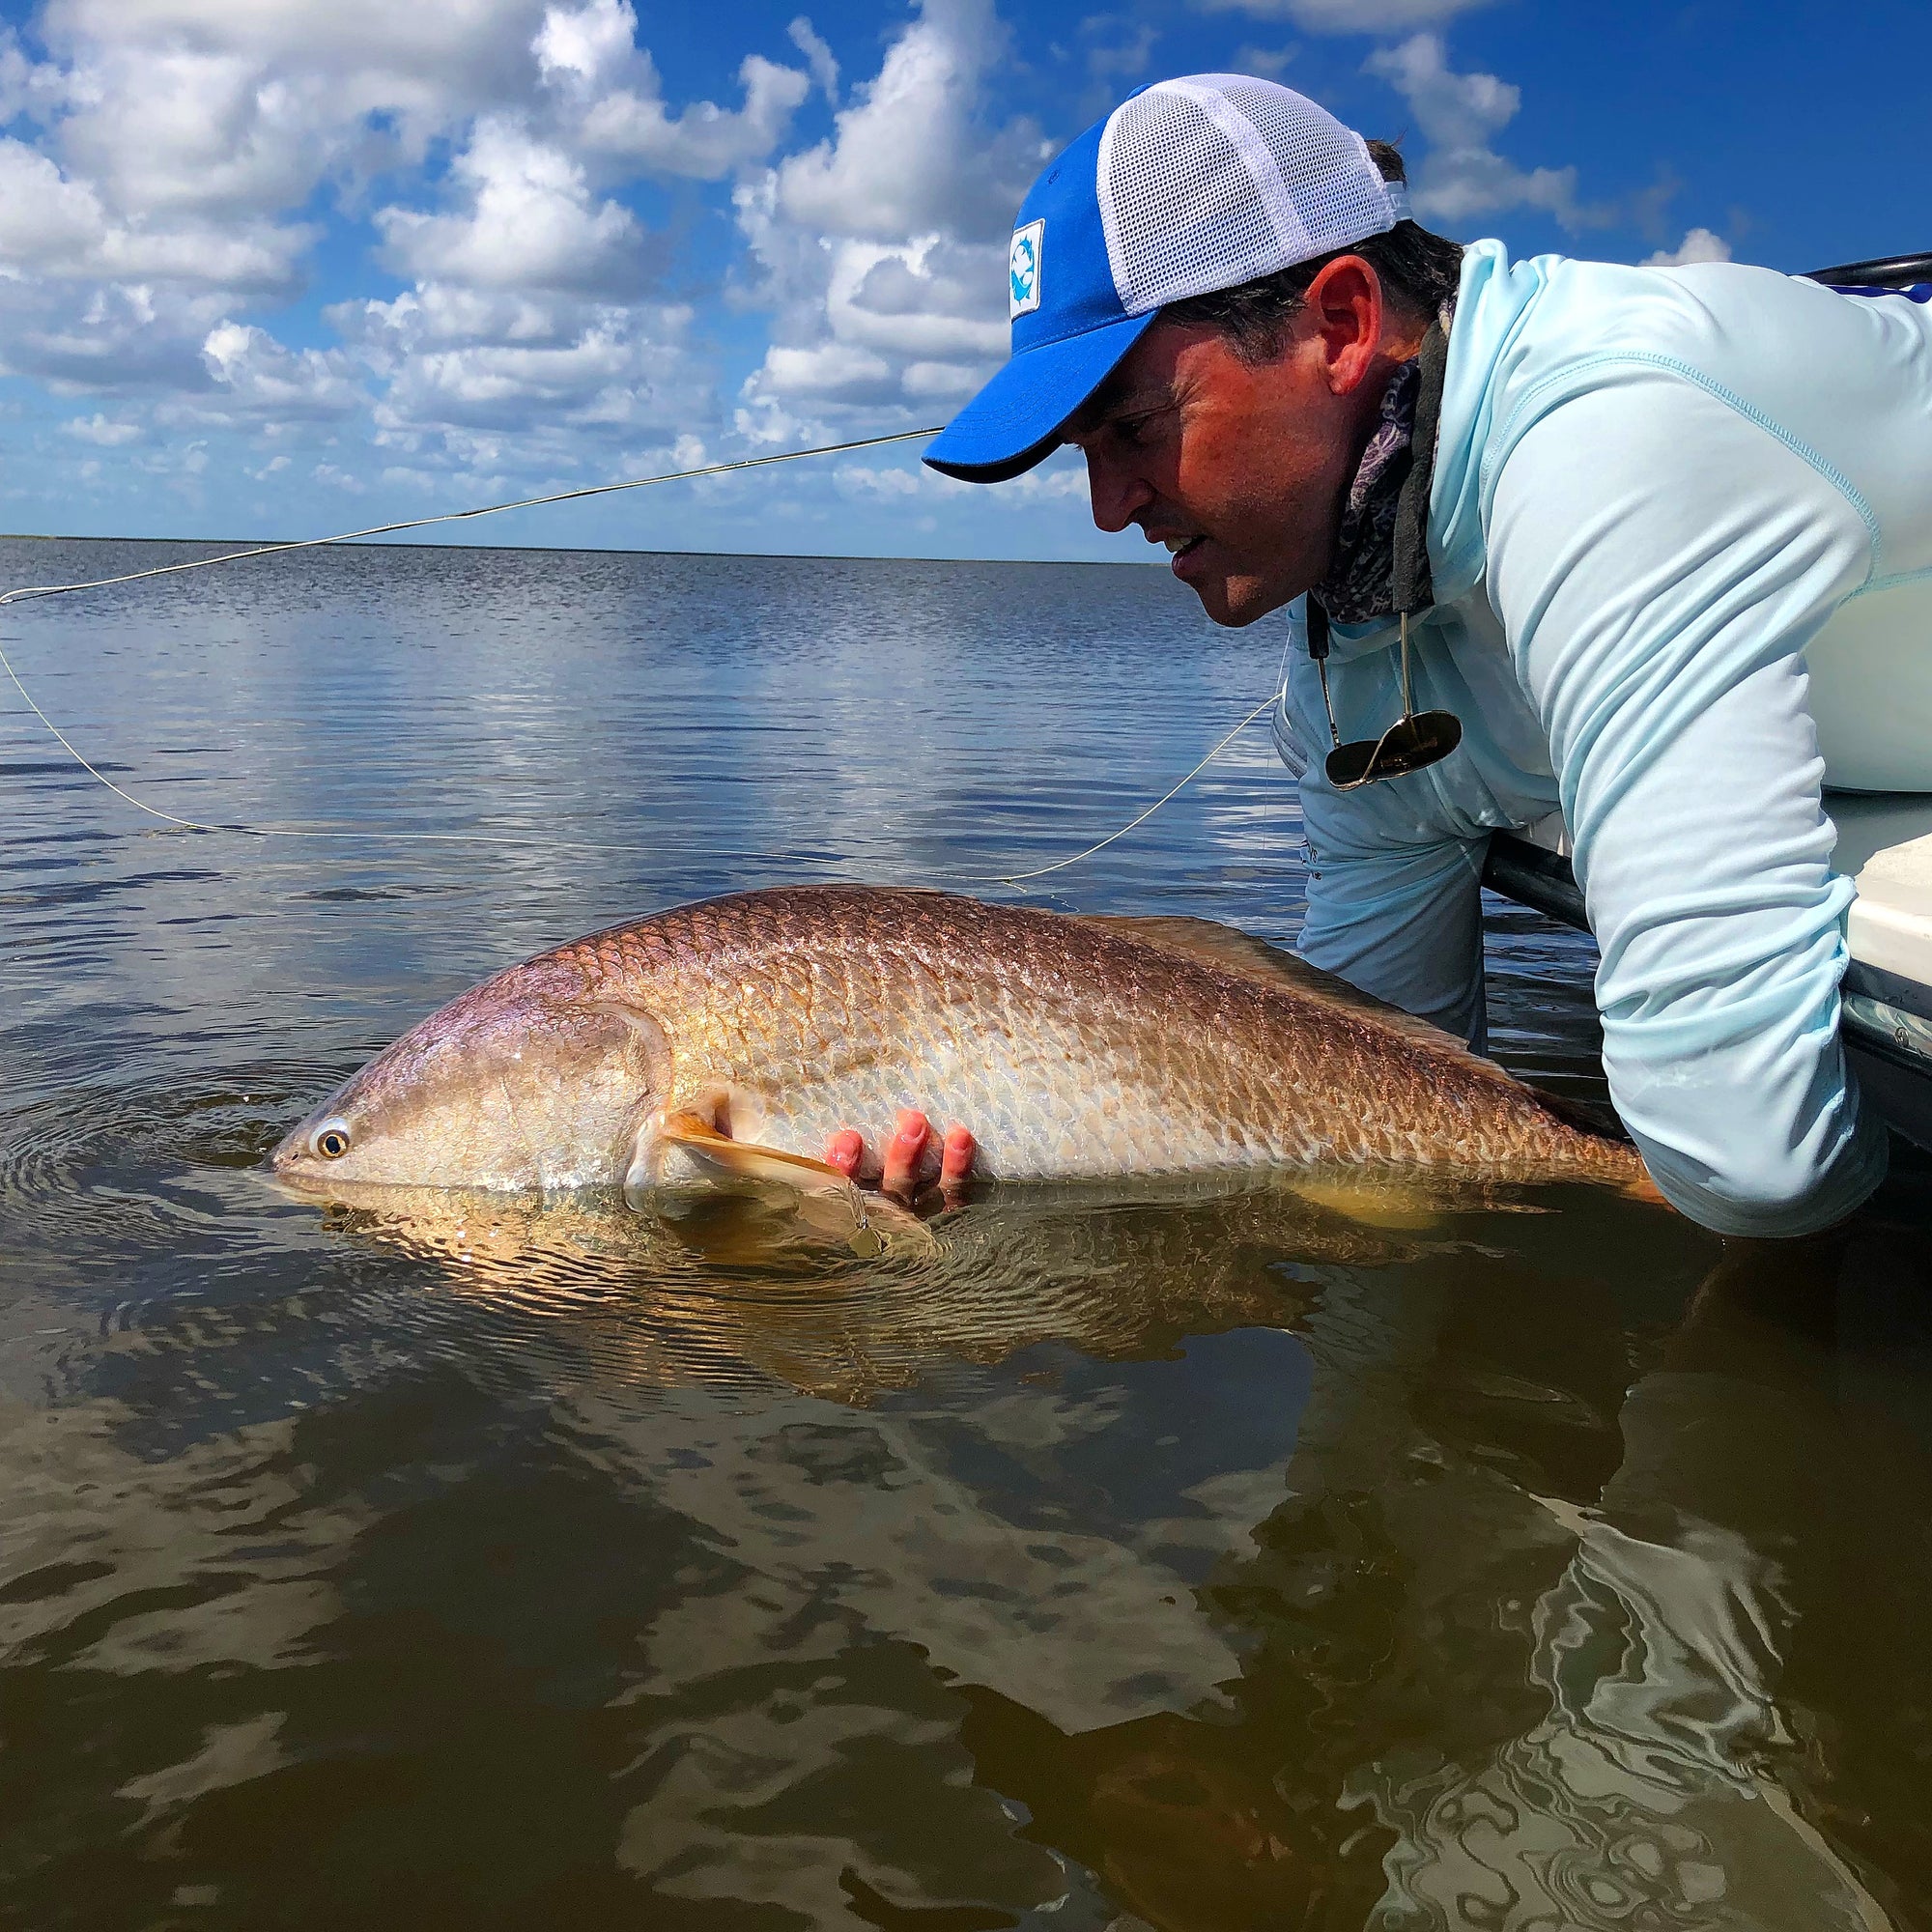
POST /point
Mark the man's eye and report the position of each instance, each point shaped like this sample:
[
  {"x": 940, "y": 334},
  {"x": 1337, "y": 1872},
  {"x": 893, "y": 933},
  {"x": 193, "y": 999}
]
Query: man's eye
[{"x": 1132, "y": 429}]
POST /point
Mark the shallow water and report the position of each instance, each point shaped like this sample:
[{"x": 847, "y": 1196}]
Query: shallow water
[{"x": 1176, "y": 1564}]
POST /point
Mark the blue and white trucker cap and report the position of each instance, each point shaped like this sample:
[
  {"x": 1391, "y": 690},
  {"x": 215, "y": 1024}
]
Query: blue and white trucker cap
[{"x": 1187, "y": 186}]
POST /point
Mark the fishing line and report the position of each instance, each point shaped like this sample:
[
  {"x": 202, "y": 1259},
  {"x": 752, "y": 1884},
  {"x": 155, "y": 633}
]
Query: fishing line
[
  {"x": 1060, "y": 864},
  {"x": 458, "y": 516},
  {"x": 355, "y": 536},
  {"x": 303, "y": 831},
  {"x": 28, "y": 592}
]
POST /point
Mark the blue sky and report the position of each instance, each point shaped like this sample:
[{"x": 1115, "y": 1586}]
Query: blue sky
[{"x": 278, "y": 268}]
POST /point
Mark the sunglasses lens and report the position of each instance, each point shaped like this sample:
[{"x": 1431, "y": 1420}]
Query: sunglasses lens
[
  {"x": 1407, "y": 746},
  {"x": 1348, "y": 765},
  {"x": 1425, "y": 739}
]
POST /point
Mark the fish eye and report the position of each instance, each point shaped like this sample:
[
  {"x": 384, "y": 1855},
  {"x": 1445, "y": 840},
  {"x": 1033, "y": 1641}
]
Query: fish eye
[{"x": 331, "y": 1141}]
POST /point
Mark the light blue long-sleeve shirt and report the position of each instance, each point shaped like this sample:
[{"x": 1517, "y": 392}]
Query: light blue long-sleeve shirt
[{"x": 1659, "y": 495}]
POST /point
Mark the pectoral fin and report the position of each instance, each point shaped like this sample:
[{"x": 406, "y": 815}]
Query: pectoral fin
[
  {"x": 747, "y": 1159},
  {"x": 829, "y": 1202}
]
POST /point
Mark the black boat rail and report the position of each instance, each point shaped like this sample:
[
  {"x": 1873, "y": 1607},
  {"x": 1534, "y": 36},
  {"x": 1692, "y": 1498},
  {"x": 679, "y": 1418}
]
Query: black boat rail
[{"x": 1886, "y": 271}]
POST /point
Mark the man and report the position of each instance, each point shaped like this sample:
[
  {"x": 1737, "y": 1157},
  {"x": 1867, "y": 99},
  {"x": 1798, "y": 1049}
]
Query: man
[{"x": 1609, "y": 509}]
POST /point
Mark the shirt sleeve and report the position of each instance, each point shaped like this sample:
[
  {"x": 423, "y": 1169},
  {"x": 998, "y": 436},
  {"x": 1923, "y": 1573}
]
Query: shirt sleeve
[{"x": 1660, "y": 561}]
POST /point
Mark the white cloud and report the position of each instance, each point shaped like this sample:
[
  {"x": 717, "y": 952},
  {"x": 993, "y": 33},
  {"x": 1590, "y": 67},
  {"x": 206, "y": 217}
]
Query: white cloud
[
  {"x": 1461, "y": 176},
  {"x": 881, "y": 250},
  {"x": 1347, "y": 17},
  {"x": 256, "y": 376},
  {"x": 931, "y": 297},
  {"x": 586, "y": 47},
  {"x": 464, "y": 41},
  {"x": 53, "y": 226},
  {"x": 909, "y": 156},
  {"x": 23, "y": 81},
  {"x": 1122, "y": 59},
  {"x": 858, "y": 479},
  {"x": 437, "y": 316},
  {"x": 167, "y": 168},
  {"x": 244, "y": 106},
  {"x": 1698, "y": 246},
  {"x": 1054, "y": 481},
  {"x": 828, "y": 372},
  {"x": 876, "y": 324},
  {"x": 531, "y": 222},
  {"x": 179, "y": 149},
  {"x": 556, "y": 382},
  {"x": 944, "y": 382},
  {"x": 45, "y": 220},
  {"x": 1269, "y": 62},
  {"x": 818, "y": 60},
  {"x": 107, "y": 339},
  {"x": 99, "y": 429},
  {"x": 1051, "y": 481},
  {"x": 705, "y": 141},
  {"x": 589, "y": 54}
]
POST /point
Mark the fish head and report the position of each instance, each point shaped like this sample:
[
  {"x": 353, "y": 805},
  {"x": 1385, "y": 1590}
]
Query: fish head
[{"x": 527, "y": 1082}]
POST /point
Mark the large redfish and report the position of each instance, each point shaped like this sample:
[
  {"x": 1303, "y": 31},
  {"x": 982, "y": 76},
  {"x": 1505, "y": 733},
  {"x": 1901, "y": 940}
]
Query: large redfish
[{"x": 741, "y": 1032}]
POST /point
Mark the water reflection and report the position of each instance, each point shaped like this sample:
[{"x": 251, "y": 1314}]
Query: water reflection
[
  {"x": 1647, "y": 1763},
  {"x": 1651, "y": 1784},
  {"x": 1202, "y": 1563},
  {"x": 731, "y": 1289}
]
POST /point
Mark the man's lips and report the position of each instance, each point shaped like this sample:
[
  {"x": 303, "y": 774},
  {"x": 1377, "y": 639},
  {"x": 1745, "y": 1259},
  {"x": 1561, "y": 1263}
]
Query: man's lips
[
  {"x": 1186, "y": 553},
  {"x": 1181, "y": 547}
]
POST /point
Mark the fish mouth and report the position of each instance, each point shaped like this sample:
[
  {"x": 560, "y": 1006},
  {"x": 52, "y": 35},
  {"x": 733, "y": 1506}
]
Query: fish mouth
[
  {"x": 295, "y": 1181},
  {"x": 384, "y": 1197},
  {"x": 299, "y": 1179},
  {"x": 279, "y": 1163}
]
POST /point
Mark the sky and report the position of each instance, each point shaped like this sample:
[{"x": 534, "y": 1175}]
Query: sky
[{"x": 283, "y": 267}]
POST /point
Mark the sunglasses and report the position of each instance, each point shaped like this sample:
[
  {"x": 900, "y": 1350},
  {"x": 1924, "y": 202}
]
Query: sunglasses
[{"x": 1415, "y": 740}]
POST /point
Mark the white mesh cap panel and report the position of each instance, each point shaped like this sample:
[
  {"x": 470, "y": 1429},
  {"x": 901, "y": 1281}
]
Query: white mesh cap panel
[
  {"x": 1216, "y": 179},
  {"x": 1325, "y": 167},
  {"x": 1179, "y": 208}
]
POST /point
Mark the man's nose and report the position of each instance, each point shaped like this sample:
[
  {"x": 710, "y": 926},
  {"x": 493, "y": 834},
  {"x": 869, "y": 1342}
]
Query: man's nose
[{"x": 1117, "y": 495}]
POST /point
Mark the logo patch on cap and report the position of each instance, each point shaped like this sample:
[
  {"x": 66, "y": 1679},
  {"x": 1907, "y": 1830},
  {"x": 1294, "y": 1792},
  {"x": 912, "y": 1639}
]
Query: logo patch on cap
[{"x": 1023, "y": 268}]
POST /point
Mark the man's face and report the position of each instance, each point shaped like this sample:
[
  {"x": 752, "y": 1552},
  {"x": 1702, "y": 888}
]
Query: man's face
[{"x": 1239, "y": 467}]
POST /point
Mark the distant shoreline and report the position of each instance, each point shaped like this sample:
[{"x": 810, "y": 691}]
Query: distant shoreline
[{"x": 604, "y": 550}]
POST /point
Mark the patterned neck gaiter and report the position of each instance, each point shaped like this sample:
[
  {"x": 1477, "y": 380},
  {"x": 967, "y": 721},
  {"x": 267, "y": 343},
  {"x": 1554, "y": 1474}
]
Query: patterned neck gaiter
[{"x": 1361, "y": 584}]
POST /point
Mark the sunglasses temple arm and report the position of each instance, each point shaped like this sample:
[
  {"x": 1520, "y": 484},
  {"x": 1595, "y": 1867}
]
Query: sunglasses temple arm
[
  {"x": 1318, "y": 649},
  {"x": 1407, "y": 699}
]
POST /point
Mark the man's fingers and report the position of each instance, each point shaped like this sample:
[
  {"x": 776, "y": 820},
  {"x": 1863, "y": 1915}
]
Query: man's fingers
[
  {"x": 955, "y": 1163},
  {"x": 902, "y": 1151},
  {"x": 904, "y": 1154},
  {"x": 844, "y": 1151}
]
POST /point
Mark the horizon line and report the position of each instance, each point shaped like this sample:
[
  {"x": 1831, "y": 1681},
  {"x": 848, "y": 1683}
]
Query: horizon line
[{"x": 598, "y": 550}]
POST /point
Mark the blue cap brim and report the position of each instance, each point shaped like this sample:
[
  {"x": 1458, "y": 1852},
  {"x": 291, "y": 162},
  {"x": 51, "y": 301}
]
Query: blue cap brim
[{"x": 1013, "y": 423}]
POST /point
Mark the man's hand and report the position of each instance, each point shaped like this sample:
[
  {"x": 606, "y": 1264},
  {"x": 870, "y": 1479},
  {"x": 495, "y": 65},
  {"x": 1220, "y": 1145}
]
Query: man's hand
[{"x": 910, "y": 1138}]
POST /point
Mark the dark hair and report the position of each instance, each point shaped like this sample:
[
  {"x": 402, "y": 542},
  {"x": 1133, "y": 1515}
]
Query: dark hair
[{"x": 1419, "y": 272}]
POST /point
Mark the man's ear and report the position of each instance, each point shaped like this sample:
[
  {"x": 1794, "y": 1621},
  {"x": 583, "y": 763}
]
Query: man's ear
[{"x": 1344, "y": 305}]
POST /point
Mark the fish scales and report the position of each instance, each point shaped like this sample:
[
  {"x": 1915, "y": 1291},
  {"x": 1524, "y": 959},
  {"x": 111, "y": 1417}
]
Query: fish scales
[
  {"x": 1070, "y": 1047},
  {"x": 964, "y": 1007}
]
